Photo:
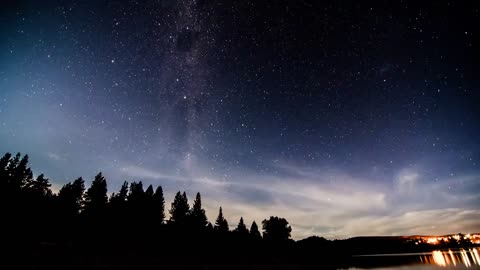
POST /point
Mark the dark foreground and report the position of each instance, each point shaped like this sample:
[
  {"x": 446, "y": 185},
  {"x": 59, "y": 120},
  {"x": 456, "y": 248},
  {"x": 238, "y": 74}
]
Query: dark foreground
[{"x": 80, "y": 228}]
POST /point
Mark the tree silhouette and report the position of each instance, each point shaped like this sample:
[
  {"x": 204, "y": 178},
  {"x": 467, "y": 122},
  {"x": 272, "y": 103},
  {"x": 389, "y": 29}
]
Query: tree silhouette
[
  {"x": 4, "y": 161},
  {"x": 159, "y": 205},
  {"x": 40, "y": 187},
  {"x": 180, "y": 209},
  {"x": 149, "y": 191},
  {"x": 17, "y": 173},
  {"x": 254, "y": 232},
  {"x": 221, "y": 224},
  {"x": 70, "y": 197},
  {"x": 241, "y": 228},
  {"x": 96, "y": 196},
  {"x": 136, "y": 194},
  {"x": 209, "y": 226},
  {"x": 119, "y": 199},
  {"x": 135, "y": 199},
  {"x": 197, "y": 215},
  {"x": 118, "y": 205},
  {"x": 276, "y": 229}
]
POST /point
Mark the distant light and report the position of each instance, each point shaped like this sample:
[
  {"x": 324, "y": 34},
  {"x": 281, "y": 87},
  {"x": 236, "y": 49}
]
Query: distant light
[
  {"x": 184, "y": 97},
  {"x": 438, "y": 258}
]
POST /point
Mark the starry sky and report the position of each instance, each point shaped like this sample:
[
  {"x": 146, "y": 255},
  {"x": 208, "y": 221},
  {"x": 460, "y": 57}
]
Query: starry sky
[{"x": 345, "y": 117}]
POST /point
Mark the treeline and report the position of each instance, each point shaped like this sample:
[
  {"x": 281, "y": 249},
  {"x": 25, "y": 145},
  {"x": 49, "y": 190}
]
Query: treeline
[
  {"x": 131, "y": 220},
  {"x": 86, "y": 228}
]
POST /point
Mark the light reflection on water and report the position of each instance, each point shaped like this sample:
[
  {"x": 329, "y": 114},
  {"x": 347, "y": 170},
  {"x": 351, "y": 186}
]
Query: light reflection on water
[
  {"x": 465, "y": 257},
  {"x": 468, "y": 258}
]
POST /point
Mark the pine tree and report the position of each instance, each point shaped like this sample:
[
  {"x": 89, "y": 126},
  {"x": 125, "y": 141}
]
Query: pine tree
[
  {"x": 18, "y": 174},
  {"x": 254, "y": 232},
  {"x": 118, "y": 203},
  {"x": 96, "y": 196},
  {"x": 135, "y": 203},
  {"x": 209, "y": 226},
  {"x": 4, "y": 161},
  {"x": 147, "y": 209},
  {"x": 40, "y": 187},
  {"x": 159, "y": 202},
  {"x": 149, "y": 192},
  {"x": 221, "y": 223},
  {"x": 241, "y": 228},
  {"x": 11, "y": 168},
  {"x": 70, "y": 197},
  {"x": 198, "y": 216},
  {"x": 180, "y": 209},
  {"x": 120, "y": 197},
  {"x": 136, "y": 194}
]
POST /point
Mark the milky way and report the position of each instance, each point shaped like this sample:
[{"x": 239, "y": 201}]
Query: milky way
[{"x": 347, "y": 120}]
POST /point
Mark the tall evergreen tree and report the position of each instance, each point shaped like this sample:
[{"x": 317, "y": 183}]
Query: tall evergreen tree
[
  {"x": 121, "y": 196},
  {"x": 148, "y": 207},
  {"x": 136, "y": 193},
  {"x": 159, "y": 202},
  {"x": 241, "y": 228},
  {"x": 118, "y": 203},
  {"x": 149, "y": 192},
  {"x": 254, "y": 232},
  {"x": 135, "y": 205},
  {"x": 180, "y": 209},
  {"x": 221, "y": 223},
  {"x": 18, "y": 174},
  {"x": 40, "y": 187},
  {"x": 10, "y": 172},
  {"x": 209, "y": 226},
  {"x": 70, "y": 197},
  {"x": 96, "y": 196},
  {"x": 198, "y": 216},
  {"x": 4, "y": 161}
]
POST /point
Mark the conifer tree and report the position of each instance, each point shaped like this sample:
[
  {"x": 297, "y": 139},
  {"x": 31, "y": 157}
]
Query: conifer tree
[
  {"x": 180, "y": 209},
  {"x": 254, "y": 232},
  {"x": 136, "y": 194},
  {"x": 4, "y": 161},
  {"x": 198, "y": 216},
  {"x": 40, "y": 187},
  {"x": 159, "y": 202},
  {"x": 70, "y": 197},
  {"x": 121, "y": 197},
  {"x": 221, "y": 223},
  {"x": 96, "y": 196},
  {"x": 241, "y": 228},
  {"x": 149, "y": 191}
]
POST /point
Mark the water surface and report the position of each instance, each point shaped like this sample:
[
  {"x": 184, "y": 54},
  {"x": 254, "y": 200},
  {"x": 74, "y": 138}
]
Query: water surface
[{"x": 468, "y": 258}]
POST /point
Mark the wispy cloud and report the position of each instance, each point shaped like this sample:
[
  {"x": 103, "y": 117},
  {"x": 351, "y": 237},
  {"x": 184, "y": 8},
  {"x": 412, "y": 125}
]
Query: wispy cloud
[
  {"x": 406, "y": 180},
  {"x": 330, "y": 203},
  {"x": 54, "y": 156},
  {"x": 140, "y": 172}
]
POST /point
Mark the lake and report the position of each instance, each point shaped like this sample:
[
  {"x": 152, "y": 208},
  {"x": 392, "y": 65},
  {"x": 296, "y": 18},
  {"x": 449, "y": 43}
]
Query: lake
[{"x": 467, "y": 258}]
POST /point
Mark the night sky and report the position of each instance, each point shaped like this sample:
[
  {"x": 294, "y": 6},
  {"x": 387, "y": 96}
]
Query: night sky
[{"x": 346, "y": 118}]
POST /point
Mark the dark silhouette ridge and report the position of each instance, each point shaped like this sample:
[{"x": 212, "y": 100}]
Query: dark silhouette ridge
[{"x": 83, "y": 228}]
